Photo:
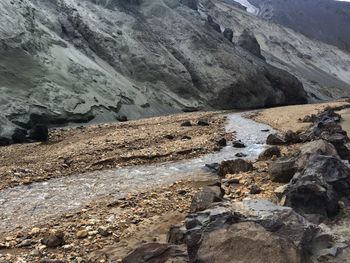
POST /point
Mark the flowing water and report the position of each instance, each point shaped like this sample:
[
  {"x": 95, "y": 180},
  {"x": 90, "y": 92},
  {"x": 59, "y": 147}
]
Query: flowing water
[{"x": 24, "y": 206}]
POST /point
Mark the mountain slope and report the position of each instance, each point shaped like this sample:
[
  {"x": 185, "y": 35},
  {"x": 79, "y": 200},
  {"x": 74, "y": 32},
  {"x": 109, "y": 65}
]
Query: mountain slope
[
  {"x": 78, "y": 60},
  {"x": 323, "y": 69},
  {"x": 325, "y": 20}
]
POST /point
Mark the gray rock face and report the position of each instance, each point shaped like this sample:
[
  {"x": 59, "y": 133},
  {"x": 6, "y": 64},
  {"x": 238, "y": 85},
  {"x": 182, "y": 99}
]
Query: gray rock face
[
  {"x": 79, "y": 61},
  {"x": 249, "y": 42},
  {"x": 228, "y": 34}
]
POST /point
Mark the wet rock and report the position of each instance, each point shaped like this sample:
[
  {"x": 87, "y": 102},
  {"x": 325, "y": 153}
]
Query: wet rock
[
  {"x": 19, "y": 135},
  {"x": 228, "y": 34},
  {"x": 193, "y": 4},
  {"x": 241, "y": 155},
  {"x": 283, "y": 169},
  {"x": 248, "y": 41},
  {"x": 316, "y": 191},
  {"x": 266, "y": 130},
  {"x": 291, "y": 137},
  {"x": 222, "y": 142},
  {"x": 213, "y": 24},
  {"x": 234, "y": 166},
  {"x": 186, "y": 124},
  {"x": 154, "y": 253},
  {"x": 213, "y": 166},
  {"x": 53, "y": 240},
  {"x": 176, "y": 235},
  {"x": 238, "y": 144},
  {"x": 39, "y": 133},
  {"x": 275, "y": 139},
  {"x": 203, "y": 123},
  {"x": 205, "y": 198},
  {"x": 269, "y": 153}
]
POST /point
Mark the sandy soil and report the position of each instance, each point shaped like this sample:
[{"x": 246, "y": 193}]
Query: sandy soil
[
  {"x": 97, "y": 147},
  {"x": 288, "y": 118}
]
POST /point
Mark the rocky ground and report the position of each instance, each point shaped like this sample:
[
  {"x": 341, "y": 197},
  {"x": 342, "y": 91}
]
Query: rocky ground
[
  {"x": 89, "y": 148},
  {"x": 109, "y": 229}
]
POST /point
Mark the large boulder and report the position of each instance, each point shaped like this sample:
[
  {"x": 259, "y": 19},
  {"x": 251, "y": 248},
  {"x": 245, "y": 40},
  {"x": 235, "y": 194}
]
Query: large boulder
[
  {"x": 239, "y": 232},
  {"x": 316, "y": 191},
  {"x": 248, "y": 41},
  {"x": 246, "y": 242},
  {"x": 234, "y": 166}
]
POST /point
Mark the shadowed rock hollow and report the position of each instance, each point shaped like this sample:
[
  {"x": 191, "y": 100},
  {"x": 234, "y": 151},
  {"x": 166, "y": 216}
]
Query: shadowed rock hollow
[{"x": 79, "y": 60}]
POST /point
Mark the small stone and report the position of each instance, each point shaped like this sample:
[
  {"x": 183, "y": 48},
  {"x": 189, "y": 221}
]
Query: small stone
[
  {"x": 186, "y": 124},
  {"x": 103, "y": 231},
  {"x": 35, "y": 230},
  {"x": 222, "y": 142},
  {"x": 238, "y": 144},
  {"x": 254, "y": 190},
  {"x": 53, "y": 240},
  {"x": 82, "y": 234},
  {"x": 203, "y": 123}
]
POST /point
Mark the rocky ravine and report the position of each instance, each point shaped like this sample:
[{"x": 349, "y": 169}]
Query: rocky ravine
[{"x": 74, "y": 61}]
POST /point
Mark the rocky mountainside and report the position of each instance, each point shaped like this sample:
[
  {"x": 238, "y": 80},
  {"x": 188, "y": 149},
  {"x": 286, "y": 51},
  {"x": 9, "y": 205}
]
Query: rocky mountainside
[
  {"x": 325, "y": 20},
  {"x": 67, "y": 61}
]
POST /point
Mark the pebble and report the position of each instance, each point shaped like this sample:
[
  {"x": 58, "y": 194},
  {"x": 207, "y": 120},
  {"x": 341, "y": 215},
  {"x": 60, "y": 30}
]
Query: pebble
[
  {"x": 103, "y": 231},
  {"x": 82, "y": 234}
]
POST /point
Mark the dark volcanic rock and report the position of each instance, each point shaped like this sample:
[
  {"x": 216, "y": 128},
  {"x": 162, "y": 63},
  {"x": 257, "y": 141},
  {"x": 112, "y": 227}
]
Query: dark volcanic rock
[
  {"x": 209, "y": 233},
  {"x": 203, "y": 123},
  {"x": 39, "y": 132},
  {"x": 213, "y": 166},
  {"x": 4, "y": 141},
  {"x": 222, "y": 142},
  {"x": 317, "y": 189},
  {"x": 248, "y": 41},
  {"x": 275, "y": 139},
  {"x": 283, "y": 169},
  {"x": 238, "y": 144},
  {"x": 269, "y": 153},
  {"x": 234, "y": 166},
  {"x": 213, "y": 24},
  {"x": 292, "y": 137},
  {"x": 176, "y": 235},
  {"x": 19, "y": 135},
  {"x": 228, "y": 34},
  {"x": 186, "y": 124}
]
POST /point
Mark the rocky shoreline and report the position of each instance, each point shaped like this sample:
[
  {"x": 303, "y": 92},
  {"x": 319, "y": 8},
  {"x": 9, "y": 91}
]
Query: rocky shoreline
[{"x": 256, "y": 230}]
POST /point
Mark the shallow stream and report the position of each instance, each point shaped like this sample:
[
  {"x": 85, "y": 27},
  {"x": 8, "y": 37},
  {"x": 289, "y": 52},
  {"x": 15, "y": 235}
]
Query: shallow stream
[{"x": 24, "y": 206}]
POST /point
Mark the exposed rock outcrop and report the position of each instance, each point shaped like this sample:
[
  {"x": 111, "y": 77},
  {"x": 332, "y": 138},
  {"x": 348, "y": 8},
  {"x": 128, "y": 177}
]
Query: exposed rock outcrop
[{"x": 248, "y": 42}]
